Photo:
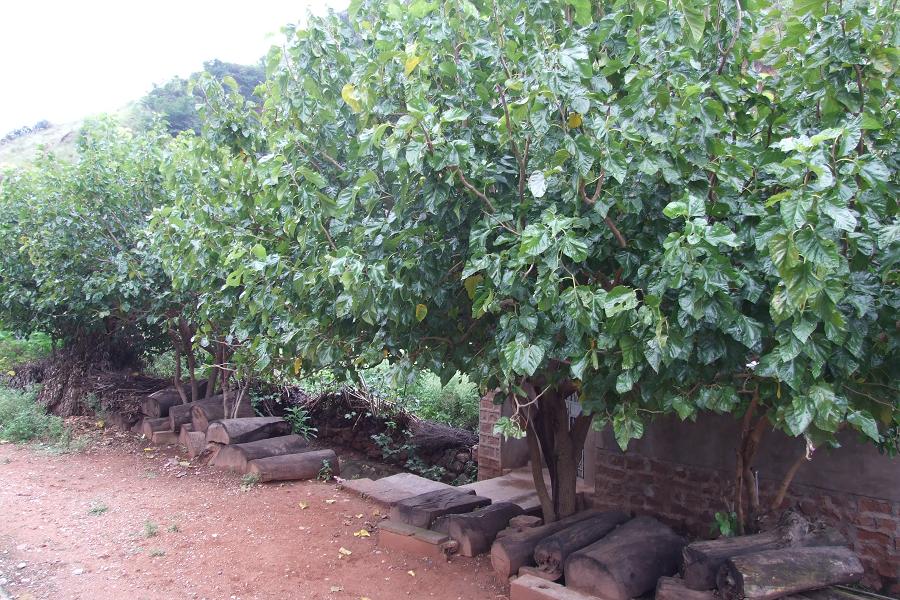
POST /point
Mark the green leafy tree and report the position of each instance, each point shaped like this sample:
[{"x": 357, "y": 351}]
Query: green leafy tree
[{"x": 659, "y": 207}]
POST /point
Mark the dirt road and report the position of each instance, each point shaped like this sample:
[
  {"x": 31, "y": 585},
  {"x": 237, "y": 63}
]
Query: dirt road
[{"x": 118, "y": 522}]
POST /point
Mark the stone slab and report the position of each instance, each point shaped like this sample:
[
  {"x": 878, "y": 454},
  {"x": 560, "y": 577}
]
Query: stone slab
[
  {"x": 517, "y": 486},
  {"x": 164, "y": 438},
  {"x": 422, "y": 510},
  {"x": 388, "y": 491},
  {"x": 395, "y": 535},
  {"x": 529, "y": 587}
]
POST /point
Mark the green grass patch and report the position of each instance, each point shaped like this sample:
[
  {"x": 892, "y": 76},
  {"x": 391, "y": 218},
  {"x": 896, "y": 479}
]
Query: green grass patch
[
  {"x": 23, "y": 420},
  {"x": 15, "y": 350}
]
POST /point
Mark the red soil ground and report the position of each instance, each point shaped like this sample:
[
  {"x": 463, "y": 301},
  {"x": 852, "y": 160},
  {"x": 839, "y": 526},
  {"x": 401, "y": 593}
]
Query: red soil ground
[{"x": 213, "y": 541}]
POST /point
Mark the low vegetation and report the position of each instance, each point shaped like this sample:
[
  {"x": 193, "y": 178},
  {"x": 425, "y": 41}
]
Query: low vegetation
[{"x": 23, "y": 420}]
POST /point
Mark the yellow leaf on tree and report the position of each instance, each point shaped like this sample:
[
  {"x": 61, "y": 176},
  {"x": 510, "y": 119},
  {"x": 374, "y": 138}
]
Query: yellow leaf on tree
[
  {"x": 421, "y": 312},
  {"x": 471, "y": 283},
  {"x": 351, "y": 96},
  {"x": 574, "y": 120},
  {"x": 411, "y": 63}
]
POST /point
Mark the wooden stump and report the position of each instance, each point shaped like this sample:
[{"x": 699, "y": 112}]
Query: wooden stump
[
  {"x": 151, "y": 426},
  {"x": 474, "y": 532},
  {"x": 702, "y": 560},
  {"x": 237, "y": 457},
  {"x": 250, "y": 429},
  {"x": 778, "y": 573},
  {"x": 306, "y": 465},
  {"x": 626, "y": 563},
  {"x": 671, "y": 588},
  {"x": 164, "y": 438},
  {"x": 511, "y": 552},
  {"x": 550, "y": 553},
  {"x": 422, "y": 510},
  {"x": 192, "y": 441},
  {"x": 203, "y": 414}
]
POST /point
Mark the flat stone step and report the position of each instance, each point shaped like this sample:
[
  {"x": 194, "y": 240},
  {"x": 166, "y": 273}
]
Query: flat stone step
[
  {"x": 517, "y": 487},
  {"x": 395, "y": 535},
  {"x": 422, "y": 510},
  {"x": 388, "y": 491},
  {"x": 529, "y": 587}
]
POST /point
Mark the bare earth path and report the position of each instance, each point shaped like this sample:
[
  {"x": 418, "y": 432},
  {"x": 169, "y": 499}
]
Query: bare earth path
[{"x": 212, "y": 540}]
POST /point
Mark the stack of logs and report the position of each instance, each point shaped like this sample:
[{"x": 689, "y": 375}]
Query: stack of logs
[
  {"x": 794, "y": 560},
  {"x": 615, "y": 556},
  {"x": 233, "y": 439}
]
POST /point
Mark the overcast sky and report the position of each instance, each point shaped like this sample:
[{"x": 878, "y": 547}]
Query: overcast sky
[{"x": 63, "y": 60}]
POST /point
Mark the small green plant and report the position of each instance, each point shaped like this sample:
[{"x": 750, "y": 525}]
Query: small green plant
[
  {"x": 98, "y": 509},
  {"x": 326, "y": 473},
  {"x": 157, "y": 552},
  {"x": 150, "y": 529},
  {"x": 725, "y": 525},
  {"x": 300, "y": 421},
  {"x": 248, "y": 481},
  {"x": 23, "y": 420},
  {"x": 173, "y": 528}
]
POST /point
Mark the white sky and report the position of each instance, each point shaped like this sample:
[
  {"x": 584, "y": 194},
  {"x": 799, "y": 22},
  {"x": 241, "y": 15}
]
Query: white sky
[{"x": 62, "y": 60}]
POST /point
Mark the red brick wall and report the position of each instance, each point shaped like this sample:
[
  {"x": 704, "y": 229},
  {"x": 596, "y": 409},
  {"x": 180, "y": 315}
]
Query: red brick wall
[
  {"x": 688, "y": 498},
  {"x": 489, "y": 464}
]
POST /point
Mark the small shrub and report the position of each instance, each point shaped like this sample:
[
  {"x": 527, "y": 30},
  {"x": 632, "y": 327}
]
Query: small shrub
[
  {"x": 248, "y": 481},
  {"x": 23, "y": 420},
  {"x": 725, "y": 525},
  {"x": 150, "y": 529},
  {"x": 15, "y": 350},
  {"x": 300, "y": 421},
  {"x": 326, "y": 473},
  {"x": 98, "y": 509},
  {"x": 173, "y": 528},
  {"x": 157, "y": 552}
]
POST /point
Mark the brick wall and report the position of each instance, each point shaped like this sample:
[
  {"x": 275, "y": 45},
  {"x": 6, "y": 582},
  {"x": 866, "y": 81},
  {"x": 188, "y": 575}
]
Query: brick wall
[
  {"x": 489, "y": 453},
  {"x": 687, "y": 497}
]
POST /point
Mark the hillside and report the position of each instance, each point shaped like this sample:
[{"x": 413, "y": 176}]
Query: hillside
[{"x": 58, "y": 138}]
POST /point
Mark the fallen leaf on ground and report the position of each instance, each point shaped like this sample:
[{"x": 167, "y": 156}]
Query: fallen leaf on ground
[
  {"x": 330, "y": 501},
  {"x": 344, "y": 551},
  {"x": 362, "y": 533},
  {"x": 411, "y": 573},
  {"x": 303, "y": 505}
]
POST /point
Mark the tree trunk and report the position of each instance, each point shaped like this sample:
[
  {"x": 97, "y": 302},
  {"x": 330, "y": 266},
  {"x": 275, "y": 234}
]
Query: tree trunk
[
  {"x": 671, "y": 588},
  {"x": 186, "y": 331},
  {"x": 236, "y": 456},
  {"x": 628, "y": 562},
  {"x": 248, "y": 429},
  {"x": 702, "y": 560},
  {"x": 550, "y": 554},
  {"x": 474, "y": 532},
  {"x": 511, "y": 552},
  {"x": 151, "y": 426},
  {"x": 306, "y": 465},
  {"x": 560, "y": 441},
  {"x": 778, "y": 573},
  {"x": 177, "y": 380}
]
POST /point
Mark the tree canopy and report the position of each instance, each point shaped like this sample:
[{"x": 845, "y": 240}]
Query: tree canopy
[{"x": 664, "y": 207}]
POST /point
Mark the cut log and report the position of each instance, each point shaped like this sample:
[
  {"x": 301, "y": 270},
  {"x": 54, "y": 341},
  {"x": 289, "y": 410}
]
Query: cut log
[
  {"x": 238, "y": 456},
  {"x": 516, "y": 550},
  {"x": 203, "y": 413},
  {"x": 157, "y": 407},
  {"x": 777, "y": 573},
  {"x": 249, "y": 429},
  {"x": 164, "y": 438},
  {"x": 192, "y": 441},
  {"x": 151, "y": 426},
  {"x": 628, "y": 562},
  {"x": 422, "y": 510},
  {"x": 550, "y": 554},
  {"x": 474, "y": 532},
  {"x": 306, "y": 465},
  {"x": 672, "y": 588},
  {"x": 181, "y": 414},
  {"x": 701, "y": 560}
]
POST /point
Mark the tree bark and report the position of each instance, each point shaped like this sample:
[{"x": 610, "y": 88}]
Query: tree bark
[
  {"x": 187, "y": 344},
  {"x": 477, "y": 530},
  {"x": 672, "y": 588},
  {"x": 177, "y": 380},
  {"x": 236, "y": 457},
  {"x": 786, "y": 481},
  {"x": 777, "y": 573}
]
